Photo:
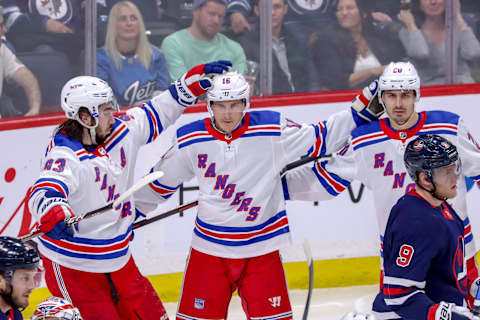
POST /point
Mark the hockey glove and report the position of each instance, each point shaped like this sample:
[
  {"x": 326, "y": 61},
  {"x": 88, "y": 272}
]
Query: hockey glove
[
  {"x": 450, "y": 311},
  {"x": 367, "y": 105},
  {"x": 55, "y": 211},
  {"x": 197, "y": 81},
  {"x": 475, "y": 293}
]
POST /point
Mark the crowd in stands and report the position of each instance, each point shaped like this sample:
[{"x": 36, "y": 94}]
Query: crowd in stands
[{"x": 144, "y": 44}]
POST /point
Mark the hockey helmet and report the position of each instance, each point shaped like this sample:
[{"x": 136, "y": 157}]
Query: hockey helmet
[
  {"x": 56, "y": 308},
  {"x": 427, "y": 152},
  {"x": 399, "y": 76},
  {"x": 228, "y": 87},
  {"x": 15, "y": 255},
  {"x": 87, "y": 92}
]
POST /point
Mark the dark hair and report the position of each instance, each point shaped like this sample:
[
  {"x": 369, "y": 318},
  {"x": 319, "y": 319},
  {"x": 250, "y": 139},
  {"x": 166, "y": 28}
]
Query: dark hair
[
  {"x": 217, "y": 1},
  {"x": 72, "y": 128},
  {"x": 418, "y": 13},
  {"x": 345, "y": 39}
]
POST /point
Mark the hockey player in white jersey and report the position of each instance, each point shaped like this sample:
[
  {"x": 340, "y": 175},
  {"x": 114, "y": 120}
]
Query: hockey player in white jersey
[
  {"x": 236, "y": 156},
  {"x": 87, "y": 164},
  {"x": 374, "y": 155}
]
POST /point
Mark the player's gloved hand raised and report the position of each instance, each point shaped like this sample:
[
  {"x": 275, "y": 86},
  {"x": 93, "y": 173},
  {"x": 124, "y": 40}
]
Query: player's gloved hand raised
[
  {"x": 367, "y": 105},
  {"x": 197, "y": 81},
  {"x": 450, "y": 311}
]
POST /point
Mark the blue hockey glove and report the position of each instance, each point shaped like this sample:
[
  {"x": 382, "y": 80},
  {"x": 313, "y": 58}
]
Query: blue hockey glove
[
  {"x": 366, "y": 104},
  {"x": 197, "y": 81},
  {"x": 60, "y": 231}
]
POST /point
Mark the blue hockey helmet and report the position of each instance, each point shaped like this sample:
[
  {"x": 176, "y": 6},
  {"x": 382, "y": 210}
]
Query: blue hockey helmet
[
  {"x": 14, "y": 255},
  {"x": 427, "y": 152}
]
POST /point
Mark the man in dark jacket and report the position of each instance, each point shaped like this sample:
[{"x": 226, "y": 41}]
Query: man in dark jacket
[{"x": 290, "y": 64}]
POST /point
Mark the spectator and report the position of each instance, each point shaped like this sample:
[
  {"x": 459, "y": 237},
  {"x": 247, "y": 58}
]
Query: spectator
[
  {"x": 45, "y": 26},
  {"x": 305, "y": 16},
  {"x": 352, "y": 52},
  {"x": 289, "y": 65},
  {"x": 423, "y": 37},
  {"x": 134, "y": 68},
  {"x": 202, "y": 41},
  {"x": 12, "y": 69}
]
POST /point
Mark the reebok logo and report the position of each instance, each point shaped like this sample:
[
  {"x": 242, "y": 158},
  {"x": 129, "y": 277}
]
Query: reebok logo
[{"x": 275, "y": 301}]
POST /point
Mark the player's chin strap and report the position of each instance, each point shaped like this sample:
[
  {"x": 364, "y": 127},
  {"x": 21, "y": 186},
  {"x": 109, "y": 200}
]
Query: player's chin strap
[
  {"x": 91, "y": 129},
  {"x": 434, "y": 191}
]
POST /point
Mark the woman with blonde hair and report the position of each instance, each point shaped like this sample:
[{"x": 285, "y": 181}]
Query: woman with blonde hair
[{"x": 134, "y": 68}]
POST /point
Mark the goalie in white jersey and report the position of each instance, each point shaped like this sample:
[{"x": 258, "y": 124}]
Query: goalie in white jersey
[
  {"x": 236, "y": 156},
  {"x": 88, "y": 163},
  {"x": 374, "y": 155}
]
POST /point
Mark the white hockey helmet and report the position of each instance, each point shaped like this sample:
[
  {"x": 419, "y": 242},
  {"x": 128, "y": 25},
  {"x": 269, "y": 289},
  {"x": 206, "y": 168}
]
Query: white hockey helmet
[
  {"x": 56, "y": 308},
  {"x": 88, "y": 92},
  {"x": 227, "y": 87},
  {"x": 399, "y": 76}
]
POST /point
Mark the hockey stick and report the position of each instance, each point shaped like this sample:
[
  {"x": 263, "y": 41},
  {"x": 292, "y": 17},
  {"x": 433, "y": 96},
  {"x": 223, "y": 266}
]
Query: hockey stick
[
  {"x": 164, "y": 215},
  {"x": 301, "y": 162},
  {"x": 71, "y": 221},
  {"x": 308, "y": 254}
]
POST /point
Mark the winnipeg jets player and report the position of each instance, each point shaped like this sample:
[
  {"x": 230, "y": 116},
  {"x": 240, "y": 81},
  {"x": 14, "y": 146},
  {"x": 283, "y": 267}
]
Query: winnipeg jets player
[
  {"x": 236, "y": 156},
  {"x": 87, "y": 164},
  {"x": 423, "y": 249}
]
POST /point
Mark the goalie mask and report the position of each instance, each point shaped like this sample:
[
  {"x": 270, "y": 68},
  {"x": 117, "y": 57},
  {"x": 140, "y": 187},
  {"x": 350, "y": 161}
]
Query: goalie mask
[
  {"x": 399, "y": 76},
  {"x": 228, "y": 87},
  {"x": 86, "y": 92},
  {"x": 56, "y": 308}
]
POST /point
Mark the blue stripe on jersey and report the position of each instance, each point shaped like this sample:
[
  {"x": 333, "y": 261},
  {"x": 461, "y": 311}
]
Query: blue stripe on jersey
[
  {"x": 62, "y": 140},
  {"x": 101, "y": 242},
  {"x": 370, "y": 128},
  {"x": 261, "y": 134},
  {"x": 439, "y": 116},
  {"x": 286, "y": 194},
  {"x": 198, "y": 125},
  {"x": 106, "y": 256},
  {"x": 453, "y": 133},
  {"x": 51, "y": 180},
  {"x": 166, "y": 187},
  {"x": 283, "y": 230},
  {"x": 182, "y": 145},
  {"x": 117, "y": 140},
  {"x": 157, "y": 117},
  {"x": 466, "y": 222},
  {"x": 326, "y": 184},
  {"x": 469, "y": 238},
  {"x": 367, "y": 143},
  {"x": 276, "y": 217},
  {"x": 150, "y": 124},
  {"x": 264, "y": 117},
  {"x": 476, "y": 178}
]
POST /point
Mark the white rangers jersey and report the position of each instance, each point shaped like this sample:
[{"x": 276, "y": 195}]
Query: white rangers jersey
[
  {"x": 90, "y": 179},
  {"x": 241, "y": 211},
  {"x": 375, "y": 158}
]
